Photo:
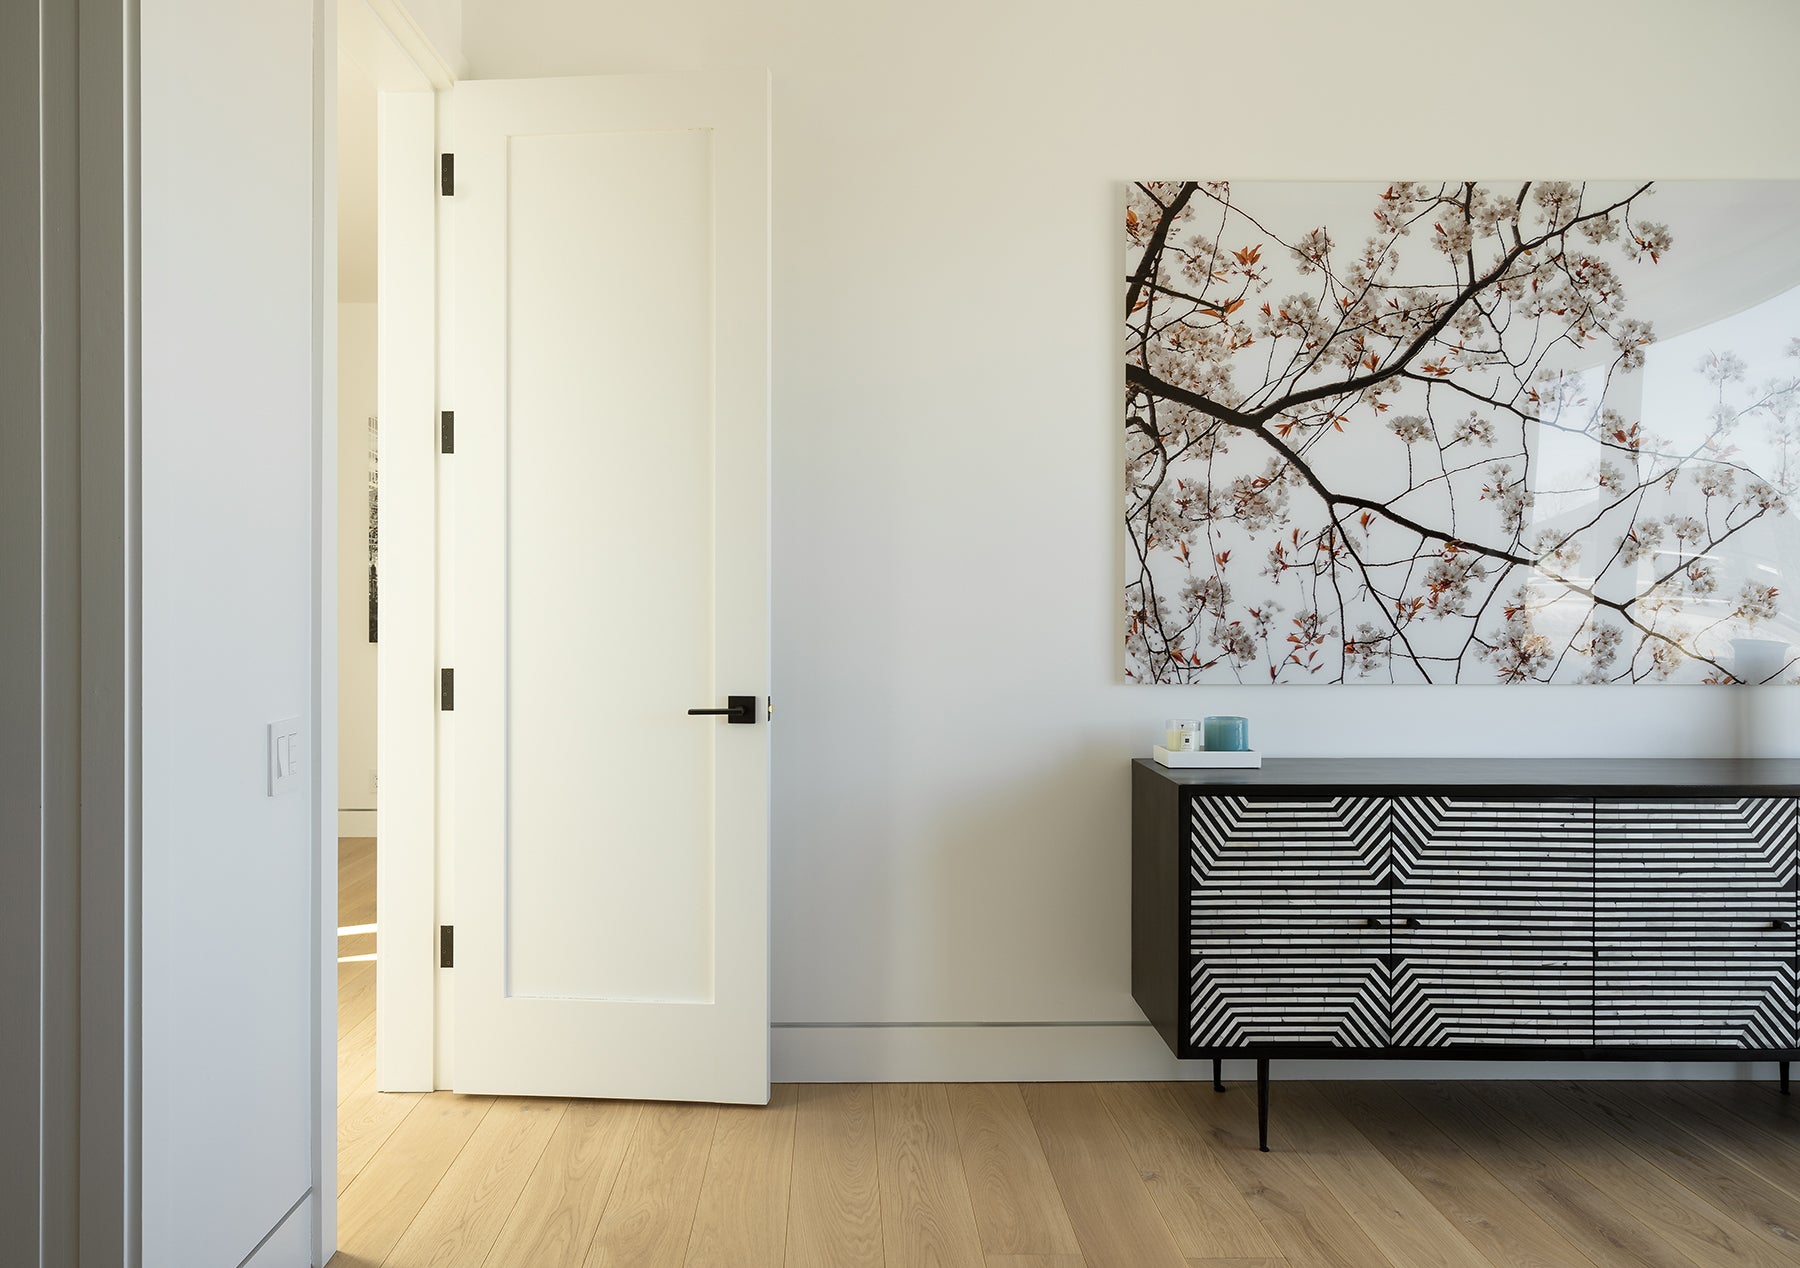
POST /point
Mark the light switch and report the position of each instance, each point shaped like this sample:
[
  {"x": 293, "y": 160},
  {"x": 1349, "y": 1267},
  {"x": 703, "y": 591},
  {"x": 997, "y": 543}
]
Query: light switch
[{"x": 287, "y": 750}]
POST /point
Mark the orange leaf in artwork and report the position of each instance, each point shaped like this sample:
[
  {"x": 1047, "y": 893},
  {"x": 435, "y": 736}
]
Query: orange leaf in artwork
[
  {"x": 1371, "y": 360},
  {"x": 1248, "y": 256},
  {"x": 1222, "y": 558},
  {"x": 1233, "y": 306},
  {"x": 1367, "y": 516},
  {"x": 1131, "y": 220},
  {"x": 1266, "y": 312},
  {"x": 1272, "y": 672}
]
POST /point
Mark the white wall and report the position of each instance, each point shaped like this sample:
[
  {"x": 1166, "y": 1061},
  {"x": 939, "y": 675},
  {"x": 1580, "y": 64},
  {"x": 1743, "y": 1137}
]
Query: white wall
[
  {"x": 228, "y": 293},
  {"x": 441, "y": 22},
  {"x": 952, "y": 734},
  {"x": 356, "y": 654}
]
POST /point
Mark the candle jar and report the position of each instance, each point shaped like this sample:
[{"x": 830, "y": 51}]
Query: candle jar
[
  {"x": 1181, "y": 735},
  {"x": 1227, "y": 734}
]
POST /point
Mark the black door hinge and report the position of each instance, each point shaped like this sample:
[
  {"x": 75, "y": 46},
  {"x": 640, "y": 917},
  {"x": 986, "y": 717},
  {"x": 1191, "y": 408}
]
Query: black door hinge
[
  {"x": 449, "y": 431},
  {"x": 446, "y": 946},
  {"x": 447, "y": 169},
  {"x": 447, "y": 690}
]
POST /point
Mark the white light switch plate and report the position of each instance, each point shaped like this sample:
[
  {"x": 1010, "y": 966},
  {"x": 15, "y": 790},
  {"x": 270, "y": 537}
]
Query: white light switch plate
[{"x": 287, "y": 756}]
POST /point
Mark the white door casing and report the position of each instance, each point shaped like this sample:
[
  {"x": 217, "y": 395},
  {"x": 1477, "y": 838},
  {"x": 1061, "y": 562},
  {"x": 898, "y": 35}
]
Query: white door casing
[{"x": 611, "y": 563}]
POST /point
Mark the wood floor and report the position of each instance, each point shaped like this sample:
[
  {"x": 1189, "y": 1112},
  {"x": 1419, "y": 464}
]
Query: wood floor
[{"x": 1117, "y": 1175}]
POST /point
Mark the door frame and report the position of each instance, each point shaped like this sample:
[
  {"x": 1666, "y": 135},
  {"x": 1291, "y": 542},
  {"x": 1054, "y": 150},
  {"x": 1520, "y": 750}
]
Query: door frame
[{"x": 408, "y": 72}]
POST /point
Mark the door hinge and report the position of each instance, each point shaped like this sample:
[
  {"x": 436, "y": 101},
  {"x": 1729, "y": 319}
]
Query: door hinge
[
  {"x": 447, "y": 169},
  {"x": 446, "y": 946},
  {"x": 447, "y": 690},
  {"x": 449, "y": 431}
]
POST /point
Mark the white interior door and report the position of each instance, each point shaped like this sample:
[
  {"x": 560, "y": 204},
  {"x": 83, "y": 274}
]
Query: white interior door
[{"x": 610, "y": 572}]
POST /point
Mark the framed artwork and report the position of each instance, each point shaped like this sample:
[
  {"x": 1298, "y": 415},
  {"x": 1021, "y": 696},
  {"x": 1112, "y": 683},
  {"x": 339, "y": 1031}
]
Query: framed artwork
[
  {"x": 374, "y": 530},
  {"x": 1462, "y": 432}
]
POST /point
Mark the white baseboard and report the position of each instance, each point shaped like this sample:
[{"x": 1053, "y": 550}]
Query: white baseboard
[
  {"x": 1115, "y": 1053},
  {"x": 356, "y": 823}
]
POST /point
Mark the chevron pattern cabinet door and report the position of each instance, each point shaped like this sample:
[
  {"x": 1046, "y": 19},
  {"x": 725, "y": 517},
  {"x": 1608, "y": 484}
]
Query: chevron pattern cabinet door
[
  {"x": 1287, "y": 922},
  {"x": 1694, "y": 923},
  {"x": 1493, "y": 922}
]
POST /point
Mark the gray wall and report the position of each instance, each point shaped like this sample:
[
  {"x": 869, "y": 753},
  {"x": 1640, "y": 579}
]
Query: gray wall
[{"x": 228, "y": 619}]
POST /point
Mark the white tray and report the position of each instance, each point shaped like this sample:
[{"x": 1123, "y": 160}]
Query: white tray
[{"x": 1251, "y": 760}]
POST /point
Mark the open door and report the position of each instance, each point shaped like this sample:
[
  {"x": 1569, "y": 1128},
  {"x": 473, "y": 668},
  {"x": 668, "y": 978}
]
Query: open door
[{"x": 608, "y": 574}]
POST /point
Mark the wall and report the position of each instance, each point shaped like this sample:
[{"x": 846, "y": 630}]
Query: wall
[
  {"x": 953, "y": 732},
  {"x": 230, "y": 246},
  {"x": 440, "y": 22},
  {"x": 356, "y": 654}
]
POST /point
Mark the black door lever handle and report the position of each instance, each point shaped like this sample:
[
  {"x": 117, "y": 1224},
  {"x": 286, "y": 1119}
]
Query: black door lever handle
[{"x": 738, "y": 709}]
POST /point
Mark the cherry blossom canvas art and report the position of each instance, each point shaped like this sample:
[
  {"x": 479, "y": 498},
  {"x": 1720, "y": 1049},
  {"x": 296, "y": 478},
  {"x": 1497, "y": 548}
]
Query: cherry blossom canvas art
[{"x": 1462, "y": 432}]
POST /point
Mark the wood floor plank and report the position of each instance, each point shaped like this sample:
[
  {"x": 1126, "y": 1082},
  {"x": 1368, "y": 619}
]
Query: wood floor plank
[
  {"x": 460, "y": 1220},
  {"x": 743, "y": 1211},
  {"x": 381, "y": 1202},
  {"x": 1688, "y": 1104},
  {"x": 1018, "y": 1210},
  {"x": 366, "y": 1118},
  {"x": 356, "y": 993},
  {"x": 1237, "y": 1263},
  {"x": 1304, "y": 1218},
  {"x": 1760, "y": 1115},
  {"x": 1116, "y": 1221},
  {"x": 356, "y": 880},
  {"x": 927, "y": 1219},
  {"x": 834, "y": 1214},
  {"x": 1036, "y": 1261},
  {"x": 356, "y": 1056},
  {"x": 651, "y": 1210},
  {"x": 1766, "y": 1209},
  {"x": 1208, "y": 1218},
  {"x": 1680, "y": 1216},
  {"x": 1401, "y": 1221},
  {"x": 1567, "y": 1201},
  {"x": 553, "y": 1222},
  {"x": 1496, "y": 1220}
]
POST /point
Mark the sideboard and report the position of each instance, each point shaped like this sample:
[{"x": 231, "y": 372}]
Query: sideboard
[{"x": 1476, "y": 909}]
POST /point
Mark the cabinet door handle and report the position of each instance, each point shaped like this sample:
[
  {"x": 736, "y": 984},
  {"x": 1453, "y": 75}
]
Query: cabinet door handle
[
  {"x": 1779, "y": 923},
  {"x": 1373, "y": 922}
]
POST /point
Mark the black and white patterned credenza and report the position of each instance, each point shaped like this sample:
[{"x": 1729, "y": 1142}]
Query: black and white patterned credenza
[{"x": 1536, "y": 909}]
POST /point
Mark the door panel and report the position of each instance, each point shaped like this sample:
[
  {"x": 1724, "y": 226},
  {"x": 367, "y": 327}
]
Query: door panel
[
  {"x": 1288, "y": 921},
  {"x": 1493, "y": 922},
  {"x": 610, "y": 572},
  {"x": 610, "y": 292},
  {"x": 1694, "y": 922}
]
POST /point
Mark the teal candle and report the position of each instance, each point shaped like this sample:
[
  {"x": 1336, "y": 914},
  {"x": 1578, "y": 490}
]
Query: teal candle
[{"x": 1227, "y": 735}]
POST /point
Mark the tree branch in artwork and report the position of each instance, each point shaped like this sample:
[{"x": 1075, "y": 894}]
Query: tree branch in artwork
[{"x": 1474, "y": 327}]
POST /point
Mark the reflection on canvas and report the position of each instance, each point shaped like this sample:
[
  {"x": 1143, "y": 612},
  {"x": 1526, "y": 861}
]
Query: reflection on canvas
[{"x": 1462, "y": 432}]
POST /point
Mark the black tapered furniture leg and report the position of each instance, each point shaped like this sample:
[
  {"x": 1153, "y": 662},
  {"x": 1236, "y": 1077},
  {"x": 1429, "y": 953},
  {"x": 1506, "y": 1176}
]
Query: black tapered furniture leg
[
  {"x": 1784, "y": 1078},
  {"x": 1219, "y": 1074},
  {"x": 1262, "y": 1103}
]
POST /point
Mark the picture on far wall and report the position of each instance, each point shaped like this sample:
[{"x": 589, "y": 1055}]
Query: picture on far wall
[
  {"x": 1462, "y": 432},
  {"x": 374, "y": 530}
]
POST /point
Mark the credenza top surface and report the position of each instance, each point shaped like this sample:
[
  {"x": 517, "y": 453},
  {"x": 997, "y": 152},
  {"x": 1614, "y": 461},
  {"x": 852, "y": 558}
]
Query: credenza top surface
[{"x": 1548, "y": 776}]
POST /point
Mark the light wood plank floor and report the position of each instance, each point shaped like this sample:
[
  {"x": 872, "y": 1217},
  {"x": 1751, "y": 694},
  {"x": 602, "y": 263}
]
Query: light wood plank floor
[{"x": 1131, "y": 1175}]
